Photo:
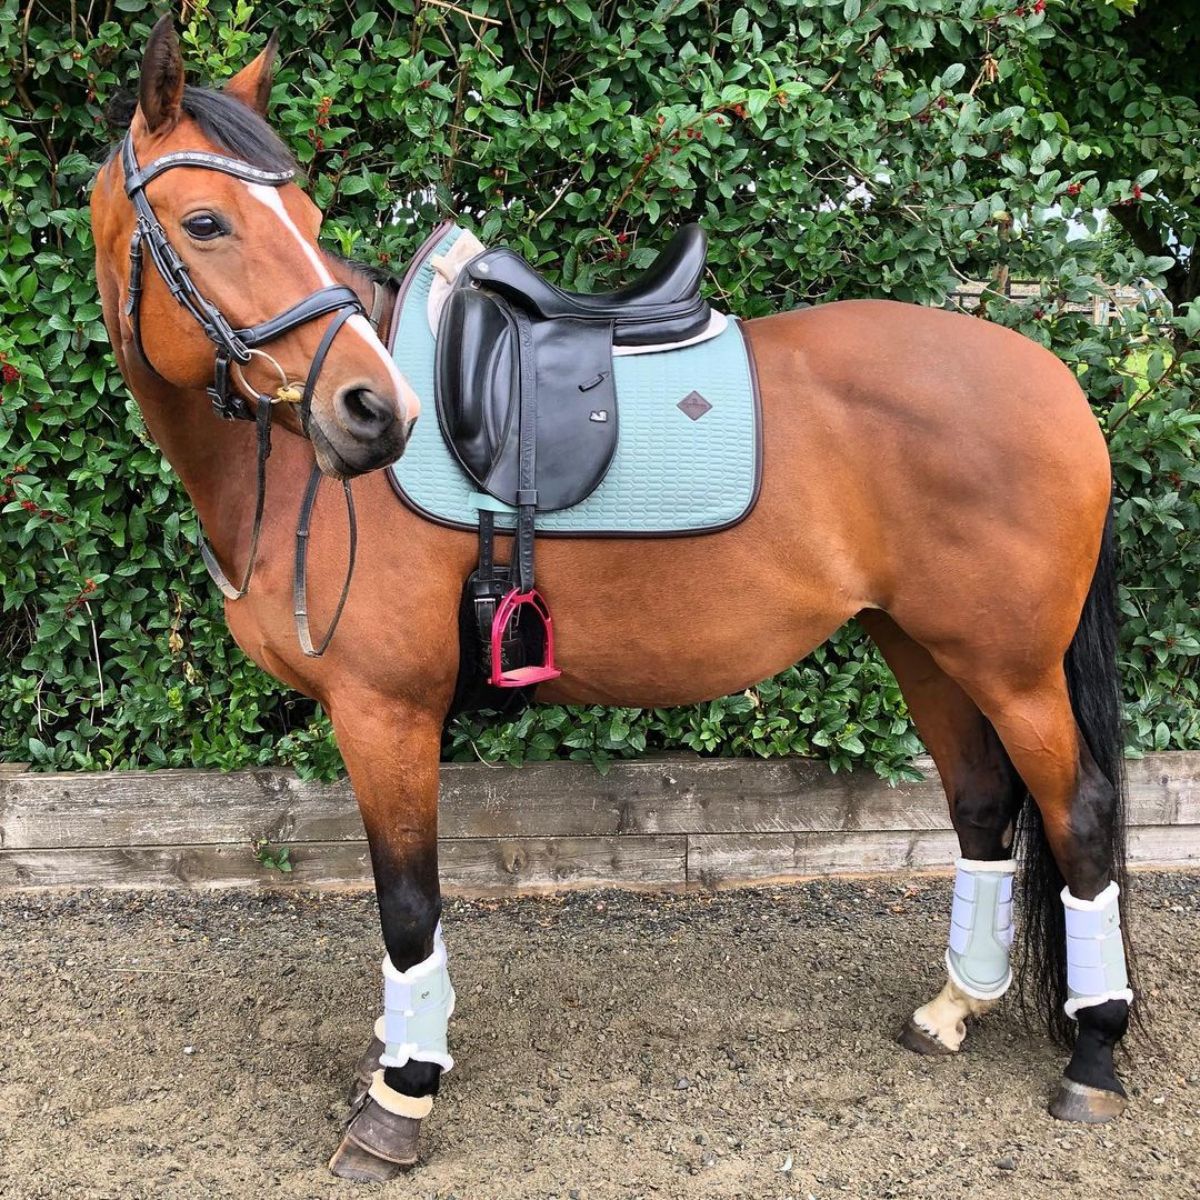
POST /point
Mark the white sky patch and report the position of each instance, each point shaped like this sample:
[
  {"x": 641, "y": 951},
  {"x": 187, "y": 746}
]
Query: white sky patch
[{"x": 270, "y": 197}]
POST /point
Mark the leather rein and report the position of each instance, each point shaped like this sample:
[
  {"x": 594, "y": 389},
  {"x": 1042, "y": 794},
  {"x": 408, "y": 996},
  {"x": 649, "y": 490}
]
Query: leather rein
[{"x": 235, "y": 349}]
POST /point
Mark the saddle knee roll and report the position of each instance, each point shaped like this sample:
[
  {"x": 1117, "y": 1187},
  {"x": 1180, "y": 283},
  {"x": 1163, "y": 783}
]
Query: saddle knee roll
[
  {"x": 981, "y": 928},
  {"x": 1096, "y": 970},
  {"x": 417, "y": 1005}
]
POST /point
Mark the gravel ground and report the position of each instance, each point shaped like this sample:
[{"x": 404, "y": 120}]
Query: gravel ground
[{"x": 608, "y": 1044}]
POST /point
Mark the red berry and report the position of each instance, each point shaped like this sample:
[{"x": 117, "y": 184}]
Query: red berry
[
  {"x": 1137, "y": 192},
  {"x": 11, "y": 374},
  {"x": 1073, "y": 189},
  {"x": 29, "y": 506}
]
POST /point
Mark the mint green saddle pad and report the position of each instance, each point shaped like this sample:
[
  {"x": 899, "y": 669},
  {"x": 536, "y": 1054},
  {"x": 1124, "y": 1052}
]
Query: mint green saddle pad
[{"x": 687, "y": 458}]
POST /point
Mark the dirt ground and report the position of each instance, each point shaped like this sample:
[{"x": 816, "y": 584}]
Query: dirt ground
[{"x": 608, "y": 1045}]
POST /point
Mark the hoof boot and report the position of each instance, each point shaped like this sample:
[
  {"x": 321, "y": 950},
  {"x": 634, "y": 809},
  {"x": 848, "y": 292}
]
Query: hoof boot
[
  {"x": 353, "y": 1163},
  {"x": 377, "y": 1145},
  {"x": 363, "y": 1074}
]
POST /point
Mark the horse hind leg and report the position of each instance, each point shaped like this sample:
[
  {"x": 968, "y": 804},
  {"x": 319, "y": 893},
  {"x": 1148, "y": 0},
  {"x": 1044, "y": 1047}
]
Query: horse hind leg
[
  {"x": 1075, "y": 869},
  {"x": 985, "y": 794}
]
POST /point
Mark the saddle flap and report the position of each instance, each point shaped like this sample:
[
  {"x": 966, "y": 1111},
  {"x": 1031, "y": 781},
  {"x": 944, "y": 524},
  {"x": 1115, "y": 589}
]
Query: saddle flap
[
  {"x": 476, "y": 378},
  {"x": 566, "y": 370}
]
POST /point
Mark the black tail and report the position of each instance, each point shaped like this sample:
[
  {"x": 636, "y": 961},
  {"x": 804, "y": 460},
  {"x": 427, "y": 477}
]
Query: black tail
[{"x": 1095, "y": 688}]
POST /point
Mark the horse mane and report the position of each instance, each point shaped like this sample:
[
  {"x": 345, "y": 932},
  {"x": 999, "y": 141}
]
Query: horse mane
[
  {"x": 229, "y": 123},
  {"x": 371, "y": 271}
]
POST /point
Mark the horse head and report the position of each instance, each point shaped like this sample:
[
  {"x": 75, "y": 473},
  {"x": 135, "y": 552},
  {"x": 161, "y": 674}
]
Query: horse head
[{"x": 207, "y": 257}]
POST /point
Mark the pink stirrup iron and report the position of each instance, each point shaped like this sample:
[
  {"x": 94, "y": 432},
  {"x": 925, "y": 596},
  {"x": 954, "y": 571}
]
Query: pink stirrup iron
[{"x": 506, "y": 611}]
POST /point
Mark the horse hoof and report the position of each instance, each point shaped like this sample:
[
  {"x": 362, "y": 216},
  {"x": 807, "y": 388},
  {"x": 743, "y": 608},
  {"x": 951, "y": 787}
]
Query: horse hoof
[
  {"x": 1086, "y": 1105},
  {"x": 913, "y": 1037},
  {"x": 377, "y": 1144}
]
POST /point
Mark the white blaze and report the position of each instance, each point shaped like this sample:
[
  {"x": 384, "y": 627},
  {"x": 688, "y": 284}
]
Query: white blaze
[{"x": 270, "y": 197}]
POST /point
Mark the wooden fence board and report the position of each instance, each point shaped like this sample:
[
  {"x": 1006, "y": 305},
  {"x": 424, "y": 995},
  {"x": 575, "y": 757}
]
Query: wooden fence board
[
  {"x": 172, "y": 808},
  {"x": 648, "y": 796},
  {"x": 655, "y": 822},
  {"x": 716, "y": 859},
  {"x": 472, "y": 866}
]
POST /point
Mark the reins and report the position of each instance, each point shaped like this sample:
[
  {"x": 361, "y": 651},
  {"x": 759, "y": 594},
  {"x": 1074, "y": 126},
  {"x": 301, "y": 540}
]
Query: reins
[{"x": 235, "y": 349}]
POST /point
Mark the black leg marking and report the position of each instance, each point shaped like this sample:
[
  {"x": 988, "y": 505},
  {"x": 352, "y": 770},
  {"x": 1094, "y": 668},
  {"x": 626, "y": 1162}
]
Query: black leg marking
[
  {"x": 1101, "y": 1027},
  {"x": 410, "y": 906},
  {"x": 987, "y": 797}
]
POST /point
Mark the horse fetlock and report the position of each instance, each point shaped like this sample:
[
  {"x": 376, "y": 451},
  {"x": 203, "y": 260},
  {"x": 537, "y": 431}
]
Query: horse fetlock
[{"x": 943, "y": 1021}]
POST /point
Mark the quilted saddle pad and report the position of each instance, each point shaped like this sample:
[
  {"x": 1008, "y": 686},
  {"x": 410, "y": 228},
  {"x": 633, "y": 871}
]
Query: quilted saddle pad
[{"x": 688, "y": 456}]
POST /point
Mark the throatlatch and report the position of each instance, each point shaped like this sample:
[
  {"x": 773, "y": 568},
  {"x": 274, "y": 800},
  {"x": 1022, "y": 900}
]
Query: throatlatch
[
  {"x": 1096, "y": 971},
  {"x": 417, "y": 1004},
  {"x": 981, "y": 928}
]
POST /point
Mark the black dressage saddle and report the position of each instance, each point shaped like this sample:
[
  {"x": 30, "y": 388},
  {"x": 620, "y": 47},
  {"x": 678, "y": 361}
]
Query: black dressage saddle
[{"x": 527, "y": 403}]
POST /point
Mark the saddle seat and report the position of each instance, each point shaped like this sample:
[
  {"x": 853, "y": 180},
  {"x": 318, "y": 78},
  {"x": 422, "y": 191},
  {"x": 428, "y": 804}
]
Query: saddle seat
[{"x": 663, "y": 305}]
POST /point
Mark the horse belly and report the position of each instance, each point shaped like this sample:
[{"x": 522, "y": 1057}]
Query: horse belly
[{"x": 679, "y": 620}]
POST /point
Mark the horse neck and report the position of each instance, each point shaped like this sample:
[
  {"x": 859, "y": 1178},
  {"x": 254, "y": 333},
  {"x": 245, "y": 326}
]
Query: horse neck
[{"x": 215, "y": 459}]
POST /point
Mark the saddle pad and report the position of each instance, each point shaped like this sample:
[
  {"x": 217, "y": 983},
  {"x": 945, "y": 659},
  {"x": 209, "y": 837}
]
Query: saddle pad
[{"x": 687, "y": 458}]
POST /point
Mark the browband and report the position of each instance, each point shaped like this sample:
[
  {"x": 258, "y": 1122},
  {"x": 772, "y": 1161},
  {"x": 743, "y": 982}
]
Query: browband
[{"x": 238, "y": 168}]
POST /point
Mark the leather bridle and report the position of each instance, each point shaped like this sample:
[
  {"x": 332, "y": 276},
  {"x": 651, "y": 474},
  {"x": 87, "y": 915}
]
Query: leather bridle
[{"x": 235, "y": 349}]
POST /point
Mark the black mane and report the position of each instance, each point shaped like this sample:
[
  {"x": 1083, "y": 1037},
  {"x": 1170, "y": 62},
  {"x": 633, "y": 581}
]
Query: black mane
[{"x": 229, "y": 123}]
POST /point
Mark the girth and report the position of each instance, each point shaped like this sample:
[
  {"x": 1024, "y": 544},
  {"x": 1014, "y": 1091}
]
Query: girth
[{"x": 234, "y": 349}]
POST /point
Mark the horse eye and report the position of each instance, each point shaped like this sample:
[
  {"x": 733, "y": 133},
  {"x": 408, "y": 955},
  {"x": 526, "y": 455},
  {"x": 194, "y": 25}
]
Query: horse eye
[{"x": 203, "y": 227}]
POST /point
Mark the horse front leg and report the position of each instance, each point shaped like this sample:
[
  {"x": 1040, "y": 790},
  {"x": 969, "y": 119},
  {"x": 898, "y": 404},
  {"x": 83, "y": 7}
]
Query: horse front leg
[{"x": 391, "y": 752}]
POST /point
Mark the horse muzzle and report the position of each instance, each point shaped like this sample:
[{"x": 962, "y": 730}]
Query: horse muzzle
[{"x": 364, "y": 431}]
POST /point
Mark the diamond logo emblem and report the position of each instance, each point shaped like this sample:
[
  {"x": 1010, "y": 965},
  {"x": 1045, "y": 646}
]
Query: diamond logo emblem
[{"x": 693, "y": 405}]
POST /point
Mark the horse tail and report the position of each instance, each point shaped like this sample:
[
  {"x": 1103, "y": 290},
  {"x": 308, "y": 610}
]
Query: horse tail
[{"x": 1095, "y": 689}]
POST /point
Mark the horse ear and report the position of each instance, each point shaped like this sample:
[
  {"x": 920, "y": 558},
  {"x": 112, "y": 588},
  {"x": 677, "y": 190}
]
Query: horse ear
[
  {"x": 252, "y": 84},
  {"x": 161, "y": 91}
]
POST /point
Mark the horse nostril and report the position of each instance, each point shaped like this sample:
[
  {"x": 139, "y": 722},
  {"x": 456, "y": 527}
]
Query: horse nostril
[{"x": 364, "y": 413}]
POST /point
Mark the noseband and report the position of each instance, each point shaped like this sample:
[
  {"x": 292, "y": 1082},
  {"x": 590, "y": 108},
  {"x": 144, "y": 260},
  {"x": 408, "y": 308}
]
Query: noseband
[{"x": 235, "y": 348}]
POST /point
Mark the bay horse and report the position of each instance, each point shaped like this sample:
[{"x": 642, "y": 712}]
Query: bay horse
[{"x": 935, "y": 476}]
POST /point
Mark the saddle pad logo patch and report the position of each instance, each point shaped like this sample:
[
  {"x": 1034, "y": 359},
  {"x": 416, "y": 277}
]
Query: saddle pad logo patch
[{"x": 694, "y": 406}]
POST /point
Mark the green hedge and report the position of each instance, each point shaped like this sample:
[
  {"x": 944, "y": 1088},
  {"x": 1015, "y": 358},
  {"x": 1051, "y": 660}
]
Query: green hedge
[{"x": 575, "y": 132}]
